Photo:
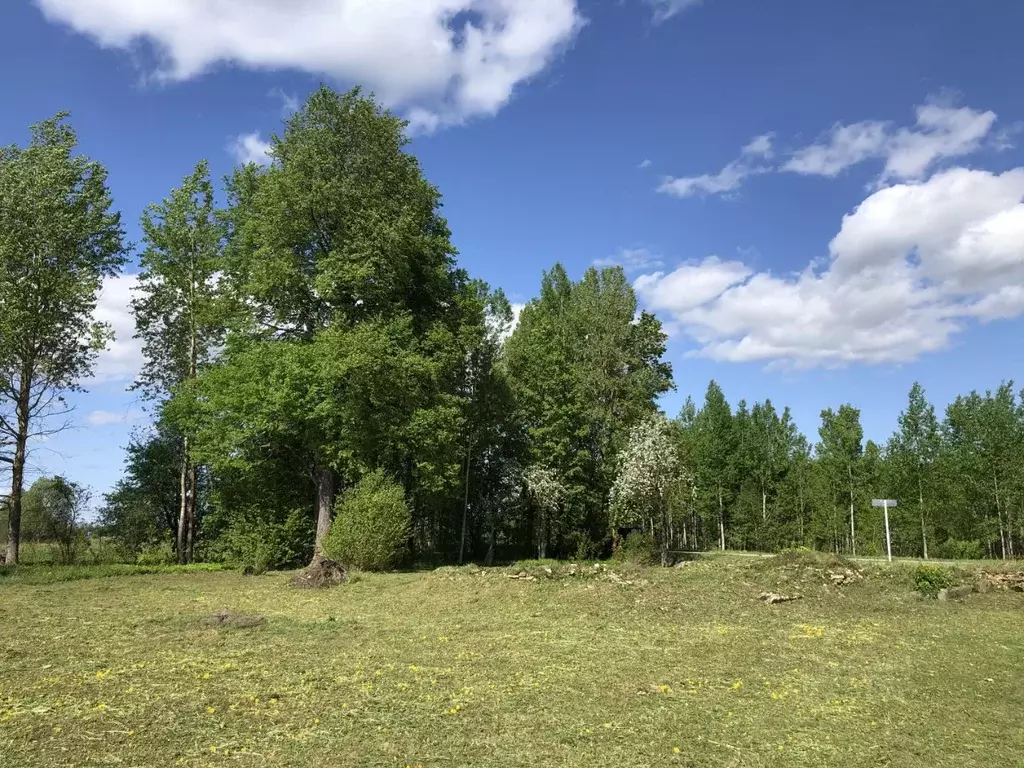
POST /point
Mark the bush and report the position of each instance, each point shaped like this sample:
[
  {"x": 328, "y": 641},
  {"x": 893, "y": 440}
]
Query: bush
[
  {"x": 638, "y": 548},
  {"x": 929, "y": 579},
  {"x": 262, "y": 541},
  {"x": 161, "y": 554},
  {"x": 953, "y": 549},
  {"x": 371, "y": 526}
]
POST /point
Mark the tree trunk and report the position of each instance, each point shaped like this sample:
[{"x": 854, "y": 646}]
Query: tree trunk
[
  {"x": 764, "y": 506},
  {"x": 721, "y": 519},
  {"x": 18, "y": 473},
  {"x": 324, "y": 507},
  {"x": 665, "y": 531},
  {"x": 465, "y": 511},
  {"x": 192, "y": 506},
  {"x": 999, "y": 516},
  {"x": 181, "y": 542},
  {"x": 924, "y": 532},
  {"x": 853, "y": 533}
]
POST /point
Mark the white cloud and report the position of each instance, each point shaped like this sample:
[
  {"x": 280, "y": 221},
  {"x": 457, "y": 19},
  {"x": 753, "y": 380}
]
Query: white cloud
[
  {"x": 645, "y": 163},
  {"x": 690, "y": 285},
  {"x": 122, "y": 359},
  {"x": 105, "y": 418},
  {"x": 250, "y": 148},
  {"x": 939, "y": 132},
  {"x": 666, "y": 9},
  {"x": 289, "y": 102},
  {"x": 910, "y": 268},
  {"x": 444, "y": 60},
  {"x": 631, "y": 260},
  {"x": 727, "y": 179}
]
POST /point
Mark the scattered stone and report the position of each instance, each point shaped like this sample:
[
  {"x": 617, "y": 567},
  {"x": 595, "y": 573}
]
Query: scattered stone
[
  {"x": 773, "y": 597},
  {"x": 844, "y": 576},
  {"x": 1012, "y": 580},
  {"x": 229, "y": 620},
  {"x": 956, "y": 593},
  {"x": 320, "y": 574}
]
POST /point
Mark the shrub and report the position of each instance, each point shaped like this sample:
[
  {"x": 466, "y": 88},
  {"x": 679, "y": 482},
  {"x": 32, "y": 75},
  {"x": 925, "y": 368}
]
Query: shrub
[
  {"x": 371, "y": 525},
  {"x": 638, "y": 548},
  {"x": 953, "y": 549},
  {"x": 262, "y": 541},
  {"x": 161, "y": 554},
  {"x": 929, "y": 579}
]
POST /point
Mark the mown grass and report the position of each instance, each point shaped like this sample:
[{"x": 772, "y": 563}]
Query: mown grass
[{"x": 465, "y": 667}]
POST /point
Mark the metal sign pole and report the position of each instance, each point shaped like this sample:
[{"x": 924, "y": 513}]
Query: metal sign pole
[
  {"x": 885, "y": 504},
  {"x": 888, "y": 541}
]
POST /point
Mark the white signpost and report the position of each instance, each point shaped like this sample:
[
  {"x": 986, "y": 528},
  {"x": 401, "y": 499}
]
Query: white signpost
[{"x": 885, "y": 504}]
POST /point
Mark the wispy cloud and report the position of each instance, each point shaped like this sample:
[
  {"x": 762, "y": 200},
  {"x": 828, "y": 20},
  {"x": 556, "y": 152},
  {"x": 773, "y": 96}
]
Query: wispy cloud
[
  {"x": 749, "y": 163},
  {"x": 106, "y": 418}
]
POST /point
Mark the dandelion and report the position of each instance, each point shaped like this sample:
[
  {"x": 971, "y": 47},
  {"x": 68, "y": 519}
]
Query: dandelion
[
  {"x": 665, "y": 688},
  {"x": 676, "y": 750},
  {"x": 102, "y": 674},
  {"x": 213, "y": 747},
  {"x": 737, "y": 685},
  {"x": 210, "y": 710}
]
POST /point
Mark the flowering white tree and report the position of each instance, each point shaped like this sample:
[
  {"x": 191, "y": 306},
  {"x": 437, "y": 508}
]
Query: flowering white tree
[
  {"x": 649, "y": 469},
  {"x": 548, "y": 493}
]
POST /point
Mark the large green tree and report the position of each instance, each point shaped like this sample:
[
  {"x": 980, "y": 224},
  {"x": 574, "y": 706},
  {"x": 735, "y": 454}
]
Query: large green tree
[
  {"x": 912, "y": 454},
  {"x": 839, "y": 452},
  {"x": 584, "y": 367},
  {"x": 351, "y": 325},
  {"x": 59, "y": 239},
  {"x": 179, "y": 312},
  {"x": 716, "y": 443}
]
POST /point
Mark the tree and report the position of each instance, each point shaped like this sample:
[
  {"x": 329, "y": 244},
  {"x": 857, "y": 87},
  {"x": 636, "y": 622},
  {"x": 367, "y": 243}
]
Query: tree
[
  {"x": 648, "y": 469},
  {"x": 349, "y": 338},
  {"x": 142, "y": 509},
  {"x": 716, "y": 443},
  {"x": 840, "y": 452},
  {"x": 549, "y": 494},
  {"x": 59, "y": 239},
  {"x": 179, "y": 312},
  {"x": 913, "y": 451},
  {"x": 53, "y": 509},
  {"x": 584, "y": 368}
]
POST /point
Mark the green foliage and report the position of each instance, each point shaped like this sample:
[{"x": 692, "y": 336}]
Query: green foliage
[
  {"x": 59, "y": 240},
  {"x": 583, "y": 369},
  {"x": 956, "y": 549},
  {"x": 263, "y": 541},
  {"x": 638, "y": 548},
  {"x": 160, "y": 554},
  {"x": 371, "y": 526},
  {"x": 929, "y": 579}
]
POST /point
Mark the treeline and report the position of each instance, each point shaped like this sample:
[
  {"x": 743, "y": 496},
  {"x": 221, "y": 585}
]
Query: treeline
[
  {"x": 313, "y": 342},
  {"x": 760, "y": 484}
]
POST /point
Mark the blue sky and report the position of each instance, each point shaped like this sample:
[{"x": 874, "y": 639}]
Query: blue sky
[{"x": 821, "y": 200}]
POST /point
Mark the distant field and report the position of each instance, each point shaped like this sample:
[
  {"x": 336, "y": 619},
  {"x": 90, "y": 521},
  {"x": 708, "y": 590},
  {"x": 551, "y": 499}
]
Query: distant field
[{"x": 461, "y": 667}]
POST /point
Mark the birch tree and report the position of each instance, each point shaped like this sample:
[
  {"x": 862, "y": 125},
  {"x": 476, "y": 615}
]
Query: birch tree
[
  {"x": 59, "y": 239},
  {"x": 179, "y": 312}
]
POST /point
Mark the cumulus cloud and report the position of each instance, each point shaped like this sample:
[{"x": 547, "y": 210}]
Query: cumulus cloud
[
  {"x": 939, "y": 132},
  {"x": 444, "y": 60},
  {"x": 250, "y": 148},
  {"x": 122, "y": 359},
  {"x": 729, "y": 178},
  {"x": 631, "y": 260},
  {"x": 909, "y": 269},
  {"x": 106, "y": 418}
]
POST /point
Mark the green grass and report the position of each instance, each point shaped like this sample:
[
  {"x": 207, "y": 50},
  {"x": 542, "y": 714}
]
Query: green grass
[{"x": 465, "y": 667}]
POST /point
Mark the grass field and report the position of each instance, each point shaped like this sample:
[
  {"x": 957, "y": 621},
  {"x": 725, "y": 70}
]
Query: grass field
[{"x": 462, "y": 667}]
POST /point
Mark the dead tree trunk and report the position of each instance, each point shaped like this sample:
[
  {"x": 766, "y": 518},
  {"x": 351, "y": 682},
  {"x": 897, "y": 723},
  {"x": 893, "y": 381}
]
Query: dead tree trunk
[{"x": 324, "y": 478}]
